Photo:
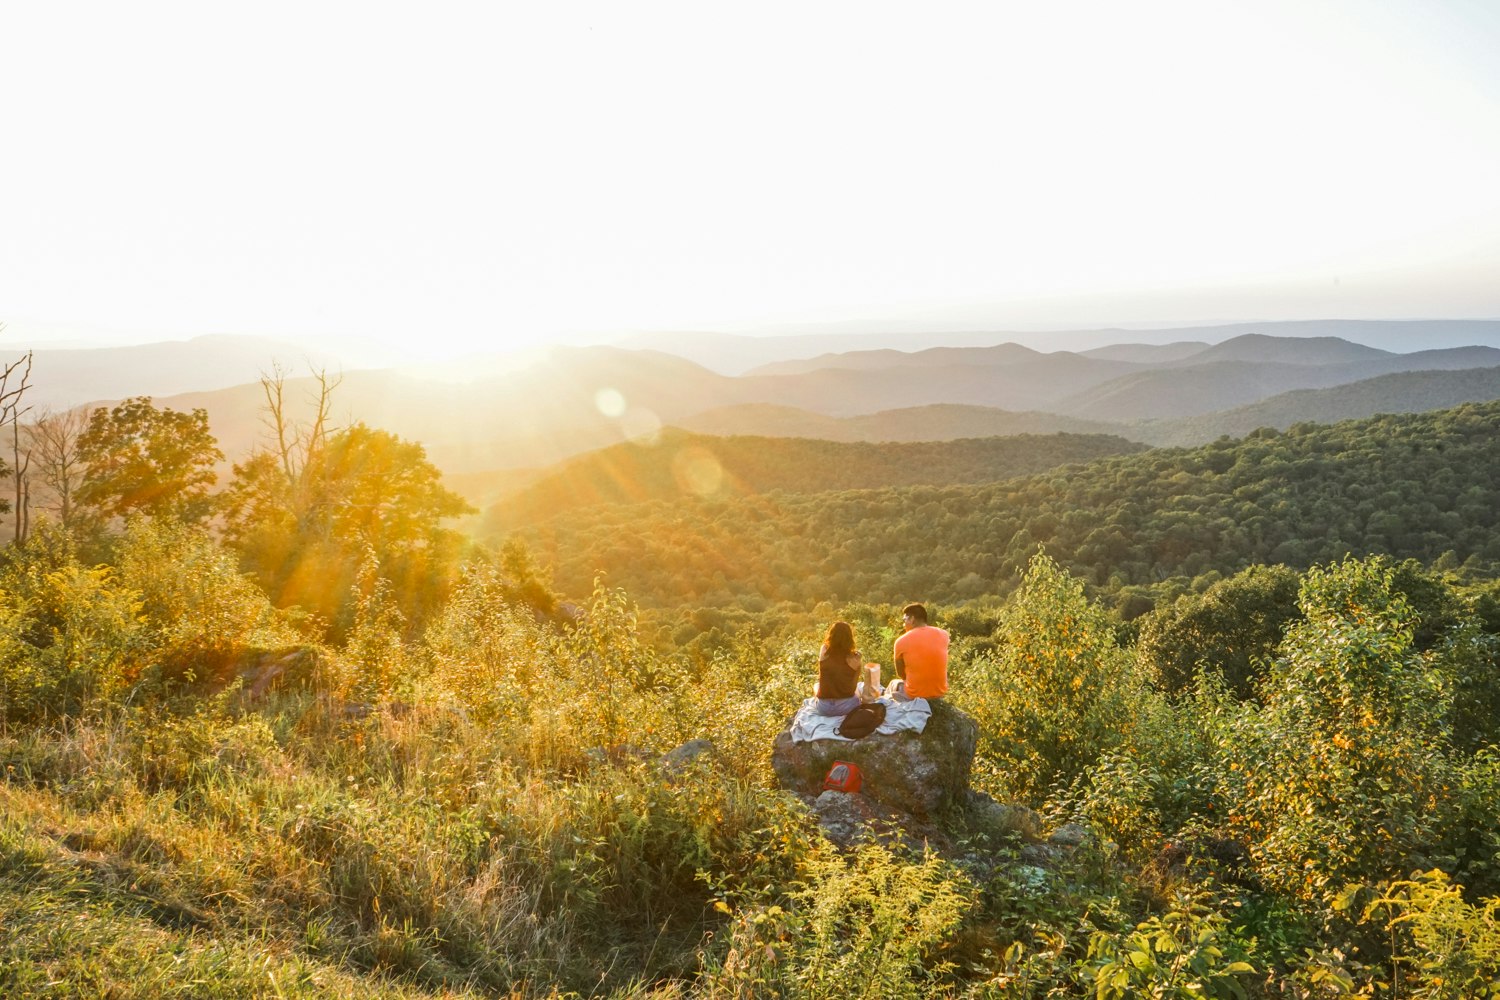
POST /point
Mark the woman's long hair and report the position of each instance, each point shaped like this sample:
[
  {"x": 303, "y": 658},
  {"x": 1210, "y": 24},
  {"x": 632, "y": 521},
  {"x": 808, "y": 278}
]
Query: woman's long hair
[{"x": 840, "y": 639}]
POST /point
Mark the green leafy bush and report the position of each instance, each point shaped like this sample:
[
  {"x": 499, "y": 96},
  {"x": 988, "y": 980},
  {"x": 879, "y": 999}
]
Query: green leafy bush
[
  {"x": 1446, "y": 948},
  {"x": 1232, "y": 629},
  {"x": 1346, "y": 775},
  {"x": 1058, "y": 692},
  {"x": 197, "y": 609},
  {"x": 69, "y": 634},
  {"x": 871, "y": 925},
  {"x": 1164, "y": 778},
  {"x": 1186, "y": 953}
]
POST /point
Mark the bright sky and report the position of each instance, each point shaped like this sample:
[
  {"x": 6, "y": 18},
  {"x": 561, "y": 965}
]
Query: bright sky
[{"x": 451, "y": 175}]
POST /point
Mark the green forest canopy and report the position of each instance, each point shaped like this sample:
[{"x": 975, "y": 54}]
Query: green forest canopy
[
  {"x": 1424, "y": 486},
  {"x": 678, "y": 463}
]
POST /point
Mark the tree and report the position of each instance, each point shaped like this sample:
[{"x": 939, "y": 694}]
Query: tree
[
  {"x": 11, "y": 411},
  {"x": 306, "y": 512},
  {"x": 142, "y": 460},
  {"x": 1232, "y": 629},
  {"x": 52, "y": 440}
]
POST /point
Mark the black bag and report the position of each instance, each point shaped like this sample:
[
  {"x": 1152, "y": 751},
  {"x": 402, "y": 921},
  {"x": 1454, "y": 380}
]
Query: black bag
[{"x": 863, "y": 721}]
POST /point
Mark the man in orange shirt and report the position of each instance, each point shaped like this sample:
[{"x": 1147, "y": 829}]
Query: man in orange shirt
[{"x": 921, "y": 657}]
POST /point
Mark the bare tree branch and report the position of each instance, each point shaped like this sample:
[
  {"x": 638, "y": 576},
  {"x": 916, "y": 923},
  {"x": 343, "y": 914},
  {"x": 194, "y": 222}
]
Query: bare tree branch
[
  {"x": 11, "y": 412},
  {"x": 53, "y": 440}
]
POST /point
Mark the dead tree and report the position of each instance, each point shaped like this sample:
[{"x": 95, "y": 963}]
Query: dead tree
[
  {"x": 53, "y": 444},
  {"x": 296, "y": 443},
  {"x": 15, "y": 379}
]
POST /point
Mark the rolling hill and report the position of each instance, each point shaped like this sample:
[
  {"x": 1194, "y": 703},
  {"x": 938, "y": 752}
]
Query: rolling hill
[
  {"x": 1227, "y": 381},
  {"x": 678, "y": 464},
  {"x": 574, "y": 400},
  {"x": 1029, "y": 383},
  {"x": 64, "y": 378},
  {"x": 1403, "y": 392},
  {"x": 1261, "y": 348},
  {"x": 932, "y": 357},
  {"x": 1147, "y": 353},
  {"x": 936, "y": 422},
  {"x": 1422, "y": 486}
]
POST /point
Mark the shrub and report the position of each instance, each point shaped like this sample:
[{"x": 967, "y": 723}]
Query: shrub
[
  {"x": 1185, "y": 953},
  {"x": 1232, "y": 629},
  {"x": 373, "y": 661},
  {"x": 744, "y": 696},
  {"x": 1445, "y": 947},
  {"x": 1345, "y": 776},
  {"x": 1164, "y": 778},
  {"x": 196, "y": 607},
  {"x": 1059, "y": 692},
  {"x": 68, "y": 634},
  {"x": 484, "y": 650},
  {"x": 870, "y": 925}
]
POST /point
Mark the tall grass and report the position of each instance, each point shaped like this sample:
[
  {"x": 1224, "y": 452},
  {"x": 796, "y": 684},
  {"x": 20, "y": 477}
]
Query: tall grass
[{"x": 483, "y": 806}]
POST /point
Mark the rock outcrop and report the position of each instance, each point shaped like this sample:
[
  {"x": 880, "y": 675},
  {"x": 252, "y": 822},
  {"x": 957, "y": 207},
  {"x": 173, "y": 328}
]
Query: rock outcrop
[
  {"x": 849, "y": 818},
  {"x": 916, "y": 773}
]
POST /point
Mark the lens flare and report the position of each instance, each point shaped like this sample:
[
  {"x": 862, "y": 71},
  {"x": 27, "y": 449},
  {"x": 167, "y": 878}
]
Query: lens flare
[
  {"x": 610, "y": 402},
  {"x": 641, "y": 425},
  {"x": 697, "y": 471}
]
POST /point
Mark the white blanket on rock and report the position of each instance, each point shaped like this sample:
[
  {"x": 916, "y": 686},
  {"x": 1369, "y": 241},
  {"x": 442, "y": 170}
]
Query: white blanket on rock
[{"x": 807, "y": 724}]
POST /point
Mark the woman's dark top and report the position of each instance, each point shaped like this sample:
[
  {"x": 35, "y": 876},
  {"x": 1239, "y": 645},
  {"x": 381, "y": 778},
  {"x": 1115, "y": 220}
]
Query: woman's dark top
[{"x": 836, "y": 679}]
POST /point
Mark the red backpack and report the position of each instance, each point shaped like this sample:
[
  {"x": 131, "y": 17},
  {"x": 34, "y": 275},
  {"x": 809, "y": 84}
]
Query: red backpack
[{"x": 843, "y": 777}]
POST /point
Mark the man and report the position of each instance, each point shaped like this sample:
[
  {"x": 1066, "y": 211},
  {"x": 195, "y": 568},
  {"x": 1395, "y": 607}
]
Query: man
[{"x": 921, "y": 657}]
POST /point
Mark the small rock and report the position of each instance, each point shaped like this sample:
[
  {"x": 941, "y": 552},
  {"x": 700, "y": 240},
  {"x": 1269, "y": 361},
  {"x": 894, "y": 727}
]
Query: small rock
[
  {"x": 678, "y": 758},
  {"x": 1041, "y": 855},
  {"x": 1068, "y": 835},
  {"x": 846, "y": 817},
  {"x": 851, "y": 818},
  {"x": 1001, "y": 817}
]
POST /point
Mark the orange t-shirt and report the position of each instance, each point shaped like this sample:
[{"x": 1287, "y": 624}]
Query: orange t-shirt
[{"x": 924, "y": 650}]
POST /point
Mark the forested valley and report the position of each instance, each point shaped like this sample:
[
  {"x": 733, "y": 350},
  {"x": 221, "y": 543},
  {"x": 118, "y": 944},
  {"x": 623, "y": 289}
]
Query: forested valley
[
  {"x": 677, "y": 464},
  {"x": 1138, "y": 529},
  {"x": 291, "y": 734}
]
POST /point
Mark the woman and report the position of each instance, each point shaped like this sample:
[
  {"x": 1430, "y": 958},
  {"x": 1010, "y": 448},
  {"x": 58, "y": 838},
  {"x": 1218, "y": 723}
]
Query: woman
[{"x": 839, "y": 670}]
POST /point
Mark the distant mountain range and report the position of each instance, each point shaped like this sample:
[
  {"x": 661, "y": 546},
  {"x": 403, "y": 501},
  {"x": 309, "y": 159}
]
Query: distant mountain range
[
  {"x": 64, "y": 378},
  {"x": 495, "y": 416},
  {"x": 733, "y": 354},
  {"x": 1188, "y": 388},
  {"x": 1120, "y": 386},
  {"x": 1403, "y": 392}
]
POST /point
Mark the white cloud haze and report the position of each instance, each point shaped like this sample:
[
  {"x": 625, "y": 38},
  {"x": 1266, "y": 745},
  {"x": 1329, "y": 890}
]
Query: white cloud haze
[{"x": 454, "y": 176}]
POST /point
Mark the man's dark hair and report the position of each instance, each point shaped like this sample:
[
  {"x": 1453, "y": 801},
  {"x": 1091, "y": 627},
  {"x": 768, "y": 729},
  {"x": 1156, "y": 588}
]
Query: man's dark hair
[{"x": 916, "y": 611}]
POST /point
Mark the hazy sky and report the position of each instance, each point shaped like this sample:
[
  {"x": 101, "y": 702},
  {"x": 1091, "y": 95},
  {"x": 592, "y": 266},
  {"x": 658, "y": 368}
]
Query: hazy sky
[{"x": 451, "y": 175}]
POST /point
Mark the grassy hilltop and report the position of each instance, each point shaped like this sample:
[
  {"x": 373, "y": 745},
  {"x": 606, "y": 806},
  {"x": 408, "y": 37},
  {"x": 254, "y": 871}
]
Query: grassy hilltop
[{"x": 450, "y": 783}]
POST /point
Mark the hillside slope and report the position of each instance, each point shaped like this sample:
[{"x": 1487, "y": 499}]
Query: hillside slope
[
  {"x": 1403, "y": 392},
  {"x": 1418, "y": 485},
  {"x": 932, "y": 357},
  {"x": 1195, "y": 388},
  {"x": 937, "y": 422},
  {"x": 678, "y": 464}
]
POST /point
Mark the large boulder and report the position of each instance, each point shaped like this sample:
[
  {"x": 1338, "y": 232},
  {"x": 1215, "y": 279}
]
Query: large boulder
[{"x": 917, "y": 773}]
